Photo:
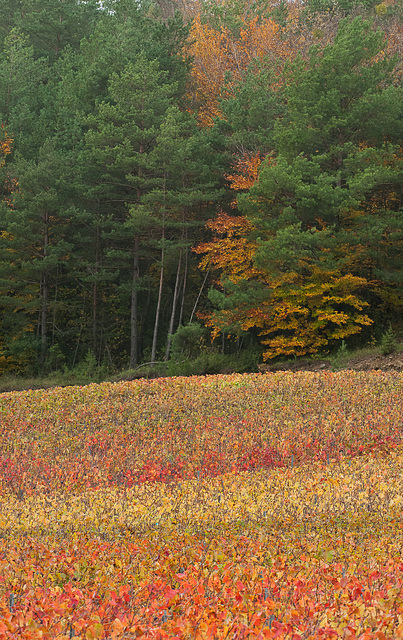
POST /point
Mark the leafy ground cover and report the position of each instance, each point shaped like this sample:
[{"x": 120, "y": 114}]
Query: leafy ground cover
[{"x": 242, "y": 506}]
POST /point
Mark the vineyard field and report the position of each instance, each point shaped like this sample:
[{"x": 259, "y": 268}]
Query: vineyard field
[{"x": 238, "y": 506}]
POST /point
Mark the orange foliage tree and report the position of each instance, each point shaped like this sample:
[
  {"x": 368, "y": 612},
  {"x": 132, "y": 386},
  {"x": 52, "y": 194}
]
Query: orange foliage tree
[
  {"x": 221, "y": 58},
  {"x": 293, "y": 314},
  {"x": 5, "y": 149}
]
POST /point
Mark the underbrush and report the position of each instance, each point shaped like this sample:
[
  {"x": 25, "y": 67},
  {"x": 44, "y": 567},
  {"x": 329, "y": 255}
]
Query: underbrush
[{"x": 205, "y": 361}]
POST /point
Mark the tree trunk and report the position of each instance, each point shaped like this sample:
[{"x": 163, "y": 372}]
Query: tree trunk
[
  {"x": 94, "y": 317},
  {"x": 54, "y": 308},
  {"x": 174, "y": 304},
  {"x": 157, "y": 313},
  {"x": 44, "y": 318},
  {"x": 185, "y": 275},
  {"x": 45, "y": 292},
  {"x": 95, "y": 293},
  {"x": 198, "y": 297},
  {"x": 134, "y": 305}
]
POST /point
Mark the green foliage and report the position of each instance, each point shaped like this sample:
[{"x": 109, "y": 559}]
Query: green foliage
[
  {"x": 388, "y": 342},
  {"x": 55, "y": 359},
  {"x": 187, "y": 341},
  {"x": 344, "y": 7},
  {"x": 341, "y": 356},
  {"x": 89, "y": 369},
  {"x": 111, "y": 179},
  {"x": 20, "y": 354},
  {"x": 211, "y": 362},
  {"x": 312, "y": 206}
]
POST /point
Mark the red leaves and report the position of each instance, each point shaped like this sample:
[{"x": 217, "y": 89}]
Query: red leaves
[
  {"x": 60, "y": 453},
  {"x": 318, "y": 576},
  {"x": 199, "y": 604}
]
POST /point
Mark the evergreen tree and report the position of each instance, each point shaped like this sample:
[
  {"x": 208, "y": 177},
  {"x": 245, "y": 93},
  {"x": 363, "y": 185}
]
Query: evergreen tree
[
  {"x": 121, "y": 137},
  {"x": 51, "y": 25},
  {"x": 22, "y": 94},
  {"x": 332, "y": 152},
  {"x": 36, "y": 246}
]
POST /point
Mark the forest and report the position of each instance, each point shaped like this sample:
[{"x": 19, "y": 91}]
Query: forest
[{"x": 224, "y": 175}]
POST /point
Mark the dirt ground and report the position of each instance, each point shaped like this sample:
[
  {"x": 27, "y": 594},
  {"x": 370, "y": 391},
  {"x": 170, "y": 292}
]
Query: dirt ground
[{"x": 392, "y": 362}]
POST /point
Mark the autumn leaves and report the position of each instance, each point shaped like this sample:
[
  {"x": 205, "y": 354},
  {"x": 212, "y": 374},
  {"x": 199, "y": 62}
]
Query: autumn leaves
[{"x": 119, "y": 522}]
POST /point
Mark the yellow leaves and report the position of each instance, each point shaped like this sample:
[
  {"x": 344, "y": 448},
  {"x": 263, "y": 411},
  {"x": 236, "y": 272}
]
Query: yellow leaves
[
  {"x": 32, "y": 626},
  {"x": 310, "y": 309},
  {"x": 381, "y": 9},
  {"x": 249, "y": 496},
  {"x": 319, "y": 541},
  {"x": 117, "y": 629},
  {"x": 94, "y": 631},
  {"x": 5, "y": 147},
  {"x": 301, "y": 314}
]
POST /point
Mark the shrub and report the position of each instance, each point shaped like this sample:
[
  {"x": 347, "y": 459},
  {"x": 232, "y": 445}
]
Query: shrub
[
  {"x": 187, "y": 341},
  {"x": 388, "y": 342}
]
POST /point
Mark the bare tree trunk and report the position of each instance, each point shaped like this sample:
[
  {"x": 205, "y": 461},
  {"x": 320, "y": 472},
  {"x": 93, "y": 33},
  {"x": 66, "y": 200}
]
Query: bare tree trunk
[
  {"x": 44, "y": 317},
  {"x": 45, "y": 292},
  {"x": 134, "y": 305},
  {"x": 94, "y": 317},
  {"x": 198, "y": 297},
  {"x": 157, "y": 313},
  {"x": 340, "y": 168},
  {"x": 174, "y": 304},
  {"x": 95, "y": 294},
  {"x": 185, "y": 275},
  {"x": 54, "y": 308}
]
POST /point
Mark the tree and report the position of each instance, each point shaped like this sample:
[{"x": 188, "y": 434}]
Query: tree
[
  {"x": 330, "y": 157},
  {"x": 120, "y": 140},
  {"x": 221, "y": 59},
  {"x": 36, "y": 240},
  {"x": 22, "y": 94},
  {"x": 7, "y": 186},
  {"x": 52, "y": 25},
  {"x": 187, "y": 183}
]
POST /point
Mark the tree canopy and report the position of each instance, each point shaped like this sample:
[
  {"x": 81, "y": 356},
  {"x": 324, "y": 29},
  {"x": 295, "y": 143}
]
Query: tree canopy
[{"x": 235, "y": 163}]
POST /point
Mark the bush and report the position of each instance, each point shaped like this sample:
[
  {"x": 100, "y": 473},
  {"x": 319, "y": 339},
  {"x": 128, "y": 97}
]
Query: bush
[
  {"x": 88, "y": 370},
  {"x": 187, "y": 341},
  {"x": 388, "y": 342}
]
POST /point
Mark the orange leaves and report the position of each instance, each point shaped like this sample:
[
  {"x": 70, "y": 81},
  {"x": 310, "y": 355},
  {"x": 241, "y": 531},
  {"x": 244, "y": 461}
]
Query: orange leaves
[
  {"x": 5, "y": 146},
  {"x": 230, "y": 250},
  {"x": 232, "y": 226},
  {"x": 248, "y": 172},
  {"x": 10, "y": 184},
  {"x": 220, "y": 59}
]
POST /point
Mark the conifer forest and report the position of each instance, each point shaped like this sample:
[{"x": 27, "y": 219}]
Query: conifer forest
[{"x": 230, "y": 168}]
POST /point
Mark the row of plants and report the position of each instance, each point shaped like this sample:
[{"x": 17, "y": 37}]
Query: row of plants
[{"x": 225, "y": 507}]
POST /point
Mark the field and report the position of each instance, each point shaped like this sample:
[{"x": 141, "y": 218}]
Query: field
[{"x": 241, "y": 506}]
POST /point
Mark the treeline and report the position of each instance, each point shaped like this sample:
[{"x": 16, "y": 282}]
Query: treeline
[{"x": 235, "y": 164}]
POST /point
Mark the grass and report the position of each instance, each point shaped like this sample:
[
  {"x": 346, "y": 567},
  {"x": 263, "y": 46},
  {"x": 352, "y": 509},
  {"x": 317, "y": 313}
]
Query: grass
[{"x": 208, "y": 363}]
